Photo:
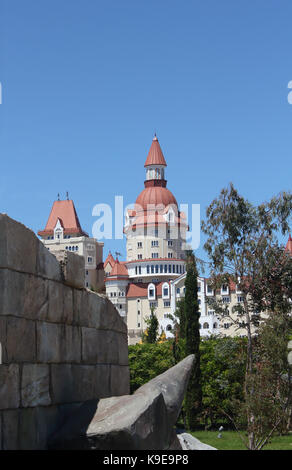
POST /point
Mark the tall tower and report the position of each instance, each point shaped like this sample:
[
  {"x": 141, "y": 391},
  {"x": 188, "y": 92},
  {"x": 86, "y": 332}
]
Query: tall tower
[{"x": 155, "y": 228}]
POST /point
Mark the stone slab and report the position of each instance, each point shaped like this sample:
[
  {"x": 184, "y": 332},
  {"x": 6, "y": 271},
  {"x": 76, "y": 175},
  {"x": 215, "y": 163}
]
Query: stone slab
[
  {"x": 9, "y": 390},
  {"x": 35, "y": 384},
  {"x": 20, "y": 340}
]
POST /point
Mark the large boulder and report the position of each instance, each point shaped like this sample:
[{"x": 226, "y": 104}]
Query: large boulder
[{"x": 143, "y": 421}]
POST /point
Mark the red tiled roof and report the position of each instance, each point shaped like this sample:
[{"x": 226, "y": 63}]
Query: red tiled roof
[
  {"x": 289, "y": 245},
  {"x": 64, "y": 211},
  {"x": 110, "y": 260},
  {"x": 155, "y": 195},
  {"x": 119, "y": 270},
  {"x": 140, "y": 289},
  {"x": 155, "y": 155}
]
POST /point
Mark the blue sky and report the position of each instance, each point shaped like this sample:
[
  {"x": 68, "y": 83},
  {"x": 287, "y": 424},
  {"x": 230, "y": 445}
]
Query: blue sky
[{"x": 86, "y": 83}]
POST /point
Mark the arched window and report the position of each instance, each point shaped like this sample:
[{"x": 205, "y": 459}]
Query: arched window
[
  {"x": 206, "y": 326},
  {"x": 168, "y": 328},
  {"x": 151, "y": 292},
  {"x": 165, "y": 290},
  {"x": 215, "y": 325}
]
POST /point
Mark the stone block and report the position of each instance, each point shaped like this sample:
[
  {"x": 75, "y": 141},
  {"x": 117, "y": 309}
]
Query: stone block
[
  {"x": 73, "y": 383},
  {"x": 102, "y": 381},
  {"x": 120, "y": 380},
  {"x": 10, "y": 426},
  {"x": 9, "y": 390},
  {"x": 73, "y": 268},
  {"x": 35, "y": 385},
  {"x": 18, "y": 246},
  {"x": 23, "y": 295},
  {"x": 3, "y": 340},
  {"x": 58, "y": 343},
  {"x": 80, "y": 307},
  {"x": 71, "y": 346},
  {"x": 28, "y": 429},
  {"x": 111, "y": 319},
  {"x": 104, "y": 347},
  {"x": 49, "y": 339},
  {"x": 20, "y": 340},
  {"x": 55, "y": 302},
  {"x": 47, "y": 264},
  {"x": 67, "y": 305}
]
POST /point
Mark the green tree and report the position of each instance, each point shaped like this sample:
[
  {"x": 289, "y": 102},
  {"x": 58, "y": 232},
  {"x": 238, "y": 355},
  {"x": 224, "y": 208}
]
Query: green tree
[
  {"x": 193, "y": 399},
  {"x": 151, "y": 333},
  {"x": 146, "y": 361},
  {"x": 243, "y": 248}
]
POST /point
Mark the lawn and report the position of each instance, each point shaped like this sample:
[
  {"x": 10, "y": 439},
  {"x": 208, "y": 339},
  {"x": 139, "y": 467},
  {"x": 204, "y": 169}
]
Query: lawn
[{"x": 230, "y": 440}]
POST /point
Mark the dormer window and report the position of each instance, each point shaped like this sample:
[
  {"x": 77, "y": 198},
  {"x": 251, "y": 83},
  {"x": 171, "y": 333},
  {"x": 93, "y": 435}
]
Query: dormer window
[{"x": 151, "y": 292}]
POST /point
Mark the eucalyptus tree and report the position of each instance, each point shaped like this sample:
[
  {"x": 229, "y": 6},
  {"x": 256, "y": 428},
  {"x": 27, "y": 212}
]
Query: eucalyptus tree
[{"x": 242, "y": 245}]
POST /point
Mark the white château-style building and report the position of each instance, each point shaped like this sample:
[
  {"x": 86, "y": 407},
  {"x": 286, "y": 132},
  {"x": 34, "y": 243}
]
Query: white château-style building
[
  {"x": 153, "y": 274},
  {"x": 63, "y": 232}
]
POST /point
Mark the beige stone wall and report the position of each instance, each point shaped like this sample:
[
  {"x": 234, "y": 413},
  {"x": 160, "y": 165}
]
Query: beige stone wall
[{"x": 61, "y": 344}]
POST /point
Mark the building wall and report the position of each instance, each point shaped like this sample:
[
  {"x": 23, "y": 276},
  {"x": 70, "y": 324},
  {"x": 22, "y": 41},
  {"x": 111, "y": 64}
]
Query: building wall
[{"x": 60, "y": 344}]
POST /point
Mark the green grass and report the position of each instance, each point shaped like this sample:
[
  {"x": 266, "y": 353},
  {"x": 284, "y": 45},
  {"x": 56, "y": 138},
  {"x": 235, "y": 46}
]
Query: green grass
[{"x": 231, "y": 441}]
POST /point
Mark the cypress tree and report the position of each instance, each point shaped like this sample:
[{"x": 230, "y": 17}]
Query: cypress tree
[
  {"x": 193, "y": 399},
  {"x": 152, "y": 330}
]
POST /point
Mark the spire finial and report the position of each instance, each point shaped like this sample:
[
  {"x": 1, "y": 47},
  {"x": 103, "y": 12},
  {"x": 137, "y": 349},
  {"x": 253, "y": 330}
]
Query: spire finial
[
  {"x": 58, "y": 196},
  {"x": 67, "y": 195}
]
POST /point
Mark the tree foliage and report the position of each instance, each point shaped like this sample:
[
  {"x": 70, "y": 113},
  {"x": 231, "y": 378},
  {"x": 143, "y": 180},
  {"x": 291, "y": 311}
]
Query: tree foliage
[
  {"x": 243, "y": 248},
  {"x": 193, "y": 398}
]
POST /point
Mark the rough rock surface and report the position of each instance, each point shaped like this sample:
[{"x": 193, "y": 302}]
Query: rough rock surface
[
  {"x": 143, "y": 421},
  {"x": 189, "y": 442}
]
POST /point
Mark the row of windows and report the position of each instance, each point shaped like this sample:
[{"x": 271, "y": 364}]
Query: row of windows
[
  {"x": 120, "y": 294},
  {"x": 166, "y": 268},
  {"x": 51, "y": 237},
  {"x": 71, "y": 248},
  {"x": 154, "y": 243},
  {"x": 206, "y": 326}
]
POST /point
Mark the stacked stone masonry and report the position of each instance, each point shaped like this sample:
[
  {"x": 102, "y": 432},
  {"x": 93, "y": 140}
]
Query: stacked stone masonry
[{"x": 60, "y": 344}]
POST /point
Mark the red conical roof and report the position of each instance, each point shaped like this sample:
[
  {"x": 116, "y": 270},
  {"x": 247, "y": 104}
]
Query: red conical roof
[
  {"x": 289, "y": 245},
  {"x": 64, "y": 211},
  {"x": 155, "y": 155},
  {"x": 110, "y": 260}
]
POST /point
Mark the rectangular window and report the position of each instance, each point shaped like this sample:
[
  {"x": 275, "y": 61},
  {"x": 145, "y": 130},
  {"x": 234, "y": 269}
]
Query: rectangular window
[
  {"x": 140, "y": 256},
  {"x": 226, "y": 299},
  {"x": 165, "y": 291},
  {"x": 152, "y": 269},
  {"x": 139, "y": 244},
  {"x": 240, "y": 298},
  {"x": 148, "y": 269},
  {"x": 209, "y": 289},
  {"x": 166, "y": 303},
  {"x": 169, "y": 255},
  {"x": 154, "y": 255},
  {"x": 161, "y": 268},
  {"x": 169, "y": 243},
  {"x": 89, "y": 259},
  {"x": 154, "y": 243},
  {"x": 156, "y": 269}
]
